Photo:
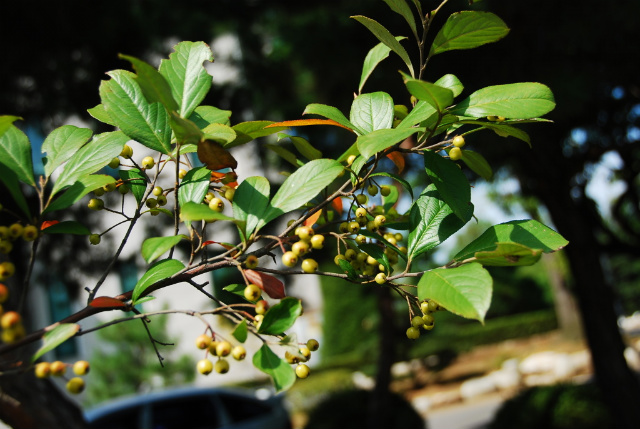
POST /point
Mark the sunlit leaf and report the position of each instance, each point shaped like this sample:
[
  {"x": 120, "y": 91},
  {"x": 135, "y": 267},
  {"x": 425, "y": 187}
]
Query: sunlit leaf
[
  {"x": 332, "y": 113},
  {"x": 53, "y": 338},
  {"x": 281, "y": 316},
  {"x": 153, "y": 248},
  {"x": 194, "y": 186},
  {"x": 437, "y": 96},
  {"x": 370, "y": 112},
  {"x": 219, "y": 133},
  {"x": 402, "y": 8},
  {"x": 250, "y": 201},
  {"x": 61, "y": 144},
  {"x": 468, "y": 29},
  {"x": 154, "y": 86},
  {"x": 205, "y": 115},
  {"x": 15, "y": 154},
  {"x": 379, "y": 140},
  {"x": 509, "y": 255},
  {"x": 159, "y": 271},
  {"x": 279, "y": 370}
]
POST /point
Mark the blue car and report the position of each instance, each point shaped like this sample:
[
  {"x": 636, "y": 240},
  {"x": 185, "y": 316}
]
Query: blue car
[{"x": 191, "y": 408}]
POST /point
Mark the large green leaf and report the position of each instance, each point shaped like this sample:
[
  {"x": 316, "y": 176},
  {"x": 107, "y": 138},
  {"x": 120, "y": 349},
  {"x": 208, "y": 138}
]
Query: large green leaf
[
  {"x": 281, "y": 316},
  {"x": 6, "y": 121},
  {"x": 477, "y": 164},
  {"x": 509, "y": 255},
  {"x": 370, "y": 112},
  {"x": 451, "y": 183},
  {"x": 125, "y": 103},
  {"x": 61, "y": 144},
  {"x": 78, "y": 190},
  {"x": 187, "y": 77},
  {"x": 530, "y": 233},
  {"x": 279, "y": 370},
  {"x": 154, "y": 247},
  {"x": 15, "y": 154},
  {"x": 100, "y": 113},
  {"x": 385, "y": 37},
  {"x": 301, "y": 186},
  {"x": 194, "y": 185},
  {"x": 53, "y": 338},
  {"x": 501, "y": 129},
  {"x": 376, "y": 141},
  {"x": 516, "y": 100},
  {"x": 375, "y": 56},
  {"x": 468, "y": 29},
  {"x": 332, "y": 113},
  {"x": 437, "y": 96},
  {"x": 431, "y": 222},
  {"x": 136, "y": 180},
  {"x": 465, "y": 290},
  {"x": 205, "y": 115},
  {"x": 154, "y": 86},
  {"x": 250, "y": 201},
  {"x": 195, "y": 211},
  {"x": 159, "y": 271},
  {"x": 10, "y": 180},
  {"x": 90, "y": 158},
  {"x": 420, "y": 112},
  {"x": 402, "y": 8}
]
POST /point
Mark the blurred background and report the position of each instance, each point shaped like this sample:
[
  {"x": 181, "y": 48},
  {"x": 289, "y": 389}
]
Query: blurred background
[{"x": 272, "y": 58}]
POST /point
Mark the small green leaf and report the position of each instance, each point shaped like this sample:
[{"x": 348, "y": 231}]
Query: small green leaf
[
  {"x": 205, "y": 115},
  {"x": 402, "y": 8},
  {"x": 248, "y": 131},
  {"x": 10, "y": 179},
  {"x": 477, "y": 164},
  {"x": 100, "y": 113},
  {"x": 370, "y": 112},
  {"x": 465, "y": 290},
  {"x": 516, "y": 100},
  {"x": 285, "y": 154},
  {"x": 78, "y": 190},
  {"x": 145, "y": 299},
  {"x": 375, "y": 56},
  {"x": 68, "y": 227},
  {"x": 332, "y": 113},
  {"x": 220, "y": 133},
  {"x": 185, "y": 131},
  {"x": 154, "y": 86},
  {"x": 61, "y": 144},
  {"x": 53, "y": 338},
  {"x": 348, "y": 269},
  {"x": 281, "y": 316},
  {"x": 194, "y": 211},
  {"x": 15, "y": 154},
  {"x": 159, "y": 271},
  {"x": 421, "y": 112},
  {"x": 153, "y": 248},
  {"x": 503, "y": 130},
  {"x": 194, "y": 185},
  {"x": 530, "y": 233},
  {"x": 235, "y": 288},
  {"x": 451, "y": 82},
  {"x": 451, "y": 183},
  {"x": 279, "y": 370},
  {"x": 379, "y": 140},
  {"x": 468, "y": 29},
  {"x": 240, "y": 331},
  {"x": 250, "y": 201},
  {"x": 438, "y": 97},
  {"x": 135, "y": 179},
  {"x": 509, "y": 255}
]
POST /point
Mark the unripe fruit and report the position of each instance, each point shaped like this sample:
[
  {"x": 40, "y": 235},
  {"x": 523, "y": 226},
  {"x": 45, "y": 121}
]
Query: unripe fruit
[
  {"x": 4, "y": 293},
  {"x": 458, "y": 141},
  {"x": 10, "y": 319},
  {"x": 300, "y": 248},
  {"x": 58, "y": 368},
  {"x": 381, "y": 278},
  {"x": 302, "y": 371},
  {"x": 7, "y": 269},
  {"x": 252, "y": 292},
  {"x": 262, "y": 306},
  {"x": 15, "y": 231},
  {"x": 317, "y": 241},
  {"x": 380, "y": 220},
  {"x": 157, "y": 191},
  {"x": 123, "y": 189},
  {"x": 417, "y": 321},
  {"x": 361, "y": 212},
  {"x": 257, "y": 320},
  {"x": 350, "y": 159},
  {"x": 182, "y": 173},
  {"x": 304, "y": 233},
  {"x": 94, "y": 239},
  {"x": 229, "y": 194},
  {"x": 305, "y": 352},
  {"x": 353, "y": 227},
  {"x": 162, "y": 200},
  {"x": 98, "y": 192},
  {"x": 75, "y": 385},
  {"x": 95, "y": 204},
  {"x": 428, "y": 319},
  {"x": 223, "y": 348},
  {"x": 81, "y": 367},
  {"x": 350, "y": 254},
  {"x": 212, "y": 347},
  {"x": 413, "y": 333},
  {"x": 313, "y": 345},
  {"x": 203, "y": 341},
  {"x": 114, "y": 163},
  {"x": 5, "y": 247},
  {"x": 221, "y": 366},
  {"x": 344, "y": 227},
  {"x": 148, "y": 162},
  {"x": 216, "y": 204},
  {"x": 29, "y": 233},
  {"x": 238, "y": 353},
  {"x": 289, "y": 259},
  {"x": 309, "y": 266},
  {"x": 204, "y": 366},
  {"x": 127, "y": 152},
  {"x": 151, "y": 203},
  {"x": 251, "y": 262},
  {"x": 337, "y": 258},
  {"x": 43, "y": 370},
  {"x": 432, "y": 306},
  {"x": 362, "y": 199},
  {"x": 361, "y": 239},
  {"x": 455, "y": 154},
  {"x": 372, "y": 190},
  {"x": 385, "y": 190}
]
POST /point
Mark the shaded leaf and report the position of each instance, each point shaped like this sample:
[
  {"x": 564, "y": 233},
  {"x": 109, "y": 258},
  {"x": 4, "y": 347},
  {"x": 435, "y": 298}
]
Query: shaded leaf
[
  {"x": 10, "y": 181},
  {"x": 219, "y": 133},
  {"x": 398, "y": 179},
  {"x": 280, "y": 371},
  {"x": 193, "y": 211},
  {"x": 78, "y": 190},
  {"x": 214, "y": 156},
  {"x": 451, "y": 183},
  {"x": 68, "y": 227},
  {"x": 402, "y": 8},
  {"x": 240, "y": 331},
  {"x": 185, "y": 131},
  {"x": 268, "y": 283},
  {"x": 379, "y": 140},
  {"x": 15, "y": 154},
  {"x": 398, "y": 159},
  {"x": 100, "y": 113},
  {"x": 281, "y": 316},
  {"x": 248, "y": 131},
  {"x": 503, "y": 130},
  {"x": 6, "y": 121},
  {"x": 348, "y": 269},
  {"x": 509, "y": 255},
  {"x": 205, "y": 115},
  {"x": 375, "y": 56},
  {"x": 154, "y": 86},
  {"x": 477, "y": 164},
  {"x": 332, "y": 113},
  {"x": 135, "y": 179},
  {"x": 305, "y": 148},
  {"x": 250, "y": 201},
  {"x": 438, "y": 97}
]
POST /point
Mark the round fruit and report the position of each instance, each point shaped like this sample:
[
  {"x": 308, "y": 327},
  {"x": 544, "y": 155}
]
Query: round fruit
[
  {"x": 58, "y": 368},
  {"x": 289, "y": 259},
  {"x": 309, "y": 266},
  {"x": 353, "y": 227},
  {"x": 350, "y": 254},
  {"x": 413, "y": 333},
  {"x": 151, "y": 203},
  {"x": 432, "y": 306},
  {"x": 361, "y": 212},
  {"x": 216, "y": 204},
  {"x": 238, "y": 353},
  {"x": 127, "y": 152},
  {"x": 339, "y": 257},
  {"x": 203, "y": 341},
  {"x": 7, "y": 269},
  {"x": 362, "y": 199},
  {"x": 385, "y": 190},
  {"x": 262, "y": 306},
  {"x": 221, "y": 366},
  {"x": 305, "y": 351},
  {"x": 305, "y": 233},
  {"x": 229, "y": 194},
  {"x": 30, "y": 233},
  {"x": 95, "y": 204},
  {"x": 380, "y": 220},
  {"x": 458, "y": 141},
  {"x": 455, "y": 154},
  {"x": 123, "y": 189},
  {"x": 204, "y": 366},
  {"x": 94, "y": 239},
  {"x": 302, "y": 371},
  {"x": 114, "y": 163},
  {"x": 361, "y": 239},
  {"x": 212, "y": 347},
  {"x": 98, "y": 192},
  {"x": 372, "y": 190},
  {"x": 148, "y": 162},
  {"x": 75, "y": 385},
  {"x": 10, "y": 319},
  {"x": 300, "y": 248},
  {"x": 350, "y": 159},
  {"x": 251, "y": 262},
  {"x": 4, "y": 293},
  {"x": 182, "y": 173},
  {"x": 81, "y": 367},
  {"x": 417, "y": 321},
  {"x": 252, "y": 292},
  {"x": 162, "y": 200},
  {"x": 5, "y": 247},
  {"x": 317, "y": 241},
  {"x": 313, "y": 345},
  {"x": 43, "y": 370},
  {"x": 15, "y": 231},
  {"x": 157, "y": 191},
  {"x": 381, "y": 278},
  {"x": 428, "y": 319},
  {"x": 223, "y": 348}
]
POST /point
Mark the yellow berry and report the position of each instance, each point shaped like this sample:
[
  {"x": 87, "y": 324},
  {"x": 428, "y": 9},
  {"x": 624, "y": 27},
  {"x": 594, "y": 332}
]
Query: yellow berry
[
  {"x": 30, "y": 233},
  {"x": 309, "y": 266},
  {"x": 15, "y": 231},
  {"x": 239, "y": 353},
  {"x": 455, "y": 154},
  {"x": 302, "y": 371},
  {"x": 251, "y": 262},
  {"x": 127, "y": 152},
  {"x": 75, "y": 385},
  {"x": 221, "y": 366},
  {"x": 81, "y": 367},
  {"x": 43, "y": 370},
  {"x": 458, "y": 141},
  {"x": 148, "y": 162},
  {"x": 252, "y": 292},
  {"x": 203, "y": 341},
  {"x": 289, "y": 259},
  {"x": 216, "y": 204},
  {"x": 58, "y": 368},
  {"x": 204, "y": 366},
  {"x": 317, "y": 241},
  {"x": 313, "y": 345}
]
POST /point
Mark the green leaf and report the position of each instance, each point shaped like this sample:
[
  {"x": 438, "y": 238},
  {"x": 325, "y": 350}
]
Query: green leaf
[
  {"x": 90, "y": 158},
  {"x": 6, "y": 121},
  {"x": 438, "y": 97},
  {"x": 68, "y": 227},
  {"x": 379, "y": 140},
  {"x": 530, "y": 233},
  {"x": 383, "y": 240},
  {"x": 431, "y": 222},
  {"x": 304, "y": 148},
  {"x": 78, "y": 190},
  {"x": 301, "y": 186},
  {"x": 477, "y": 164},
  {"x": 61, "y": 144},
  {"x": 503, "y": 130},
  {"x": 250, "y": 201},
  {"x": 248, "y": 131},
  {"x": 398, "y": 179},
  {"x": 187, "y": 77},
  {"x": 159, "y": 271},
  {"x": 195, "y": 211},
  {"x": 332, "y": 113},
  {"x": 376, "y": 252},
  {"x": 370, "y": 112},
  {"x": 237, "y": 289},
  {"x": 153, "y": 248},
  {"x": 126, "y": 105},
  {"x": 509, "y": 255},
  {"x": 53, "y": 338},
  {"x": 205, "y": 115},
  {"x": 420, "y": 113},
  {"x": 10, "y": 179},
  {"x": 467, "y": 30},
  {"x": 391, "y": 199},
  {"x": 154, "y": 86},
  {"x": 194, "y": 185},
  {"x": 15, "y": 154},
  {"x": 402, "y": 8},
  {"x": 279, "y": 370},
  {"x": 348, "y": 269},
  {"x": 465, "y": 290},
  {"x": 281, "y": 316},
  {"x": 100, "y": 113},
  {"x": 451, "y": 82},
  {"x": 385, "y": 37},
  {"x": 145, "y": 299},
  {"x": 135, "y": 179},
  {"x": 451, "y": 183},
  {"x": 186, "y": 132},
  {"x": 284, "y": 154},
  {"x": 375, "y": 56},
  {"x": 516, "y": 100},
  {"x": 220, "y": 133},
  {"x": 240, "y": 331}
]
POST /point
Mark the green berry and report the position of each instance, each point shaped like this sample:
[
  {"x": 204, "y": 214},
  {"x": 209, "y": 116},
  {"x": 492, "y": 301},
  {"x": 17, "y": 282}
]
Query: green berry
[
  {"x": 304, "y": 233},
  {"x": 350, "y": 159},
  {"x": 221, "y": 366},
  {"x": 162, "y": 200},
  {"x": 362, "y": 199},
  {"x": 96, "y": 204},
  {"x": 455, "y": 154},
  {"x": 75, "y": 385},
  {"x": 81, "y": 367},
  {"x": 127, "y": 152},
  {"x": 361, "y": 212},
  {"x": 223, "y": 348},
  {"x": 317, "y": 241},
  {"x": 353, "y": 227},
  {"x": 309, "y": 266},
  {"x": 94, "y": 239},
  {"x": 417, "y": 321},
  {"x": 381, "y": 278},
  {"x": 123, "y": 189},
  {"x": 413, "y": 333},
  {"x": 289, "y": 259},
  {"x": 203, "y": 341},
  {"x": 458, "y": 141},
  {"x": 157, "y": 191},
  {"x": 385, "y": 190},
  {"x": 151, "y": 202},
  {"x": 361, "y": 239},
  {"x": 148, "y": 162},
  {"x": 114, "y": 163},
  {"x": 313, "y": 345},
  {"x": 380, "y": 220},
  {"x": 372, "y": 190},
  {"x": 239, "y": 353}
]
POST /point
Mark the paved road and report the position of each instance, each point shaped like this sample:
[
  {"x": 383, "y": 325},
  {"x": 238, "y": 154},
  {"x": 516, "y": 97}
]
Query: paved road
[{"x": 472, "y": 415}]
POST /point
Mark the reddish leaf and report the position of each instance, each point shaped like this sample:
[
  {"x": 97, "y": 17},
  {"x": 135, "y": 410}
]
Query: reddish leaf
[
  {"x": 305, "y": 122},
  {"x": 313, "y": 218},
  {"x": 271, "y": 285},
  {"x": 397, "y": 159},
  {"x": 214, "y": 156},
  {"x": 106, "y": 301},
  {"x": 337, "y": 204},
  {"x": 225, "y": 245},
  {"x": 48, "y": 223}
]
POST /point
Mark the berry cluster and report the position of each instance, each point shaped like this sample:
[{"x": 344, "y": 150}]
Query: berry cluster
[
  {"x": 303, "y": 355},
  {"x": 221, "y": 349},
  {"x": 426, "y": 321},
  {"x": 58, "y": 368},
  {"x": 307, "y": 241}
]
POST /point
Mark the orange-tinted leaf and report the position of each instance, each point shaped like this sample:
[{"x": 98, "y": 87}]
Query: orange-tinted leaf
[
  {"x": 305, "y": 122},
  {"x": 337, "y": 204},
  {"x": 271, "y": 285},
  {"x": 106, "y": 301},
  {"x": 225, "y": 245},
  {"x": 313, "y": 218},
  {"x": 398, "y": 160},
  {"x": 48, "y": 223},
  {"x": 214, "y": 156}
]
